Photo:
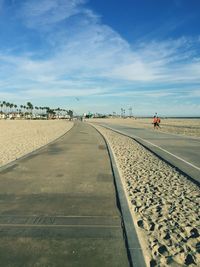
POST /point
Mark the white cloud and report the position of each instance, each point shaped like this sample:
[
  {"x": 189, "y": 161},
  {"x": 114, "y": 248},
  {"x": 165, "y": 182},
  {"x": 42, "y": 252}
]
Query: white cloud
[
  {"x": 137, "y": 71},
  {"x": 41, "y": 13},
  {"x": 88, "y": 49},
  {"x": 89, "y": 58},
  {"x": 93, "y": 53}
]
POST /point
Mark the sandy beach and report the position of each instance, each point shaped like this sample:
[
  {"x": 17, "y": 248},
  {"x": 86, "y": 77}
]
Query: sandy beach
[
  {"x": 163, "y": 202},
  {"x": 189, "y": 127},
  {"x": 19, "y": 137}
]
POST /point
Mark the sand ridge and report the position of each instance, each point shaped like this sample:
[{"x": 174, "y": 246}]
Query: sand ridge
[
  {"x": 164, "y": 204},
  {"x": 19, "y": 137}
]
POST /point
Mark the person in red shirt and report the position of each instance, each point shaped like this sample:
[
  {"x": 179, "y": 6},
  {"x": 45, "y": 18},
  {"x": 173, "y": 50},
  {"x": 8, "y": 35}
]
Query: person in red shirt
[{"x": 154, "y": 122}]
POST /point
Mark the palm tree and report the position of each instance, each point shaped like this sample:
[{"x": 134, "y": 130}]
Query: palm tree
[
  {"x": 50, "y": 113},
  {"x": 1, "y": 105},
  {"x": 11, "y": 106},
  {"x": 27, "y": 110},
  {"x": 58, "y": 109},
  {"x": 24, "y": 108},
  {"x": 21, "y": 111},
  {"x": 4, "y": 106},
  {"x": 7, "y": 107},
  {"x": 70, "y": 113},
  {"x": 36, "y": 109},
  {"x": 30, "y": 107}
]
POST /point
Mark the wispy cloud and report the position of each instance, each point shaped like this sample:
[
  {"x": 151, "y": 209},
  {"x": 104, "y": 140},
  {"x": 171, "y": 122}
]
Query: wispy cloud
[
  {"x": 42, "y": 13},
  {"x": 98, "y": 51},
  {"x": 157, "y": 93},
  {"x": 83, "y": 56}
]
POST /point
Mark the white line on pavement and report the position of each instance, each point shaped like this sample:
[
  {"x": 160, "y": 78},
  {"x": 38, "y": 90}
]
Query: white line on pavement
[{"x": 135, "y": 136}]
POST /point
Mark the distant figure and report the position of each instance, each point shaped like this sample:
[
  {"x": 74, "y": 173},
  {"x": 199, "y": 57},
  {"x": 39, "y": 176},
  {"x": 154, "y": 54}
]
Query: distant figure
[{"x": 154, "y": 122}]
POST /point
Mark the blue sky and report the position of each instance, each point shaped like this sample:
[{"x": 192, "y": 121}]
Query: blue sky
[{"x": 102, "y": 55}]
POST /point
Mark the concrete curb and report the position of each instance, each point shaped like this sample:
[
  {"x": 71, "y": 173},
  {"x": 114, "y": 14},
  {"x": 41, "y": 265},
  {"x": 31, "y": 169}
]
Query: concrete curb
[{"x": 134, "y": 250}]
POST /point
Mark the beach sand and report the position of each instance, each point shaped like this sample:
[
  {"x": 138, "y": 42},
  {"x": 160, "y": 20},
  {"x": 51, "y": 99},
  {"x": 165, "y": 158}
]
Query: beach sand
[
  {"x": 164, "y": 204},
  {"x": 189, "y": 127},
  {"x": 19, "y": 137}
]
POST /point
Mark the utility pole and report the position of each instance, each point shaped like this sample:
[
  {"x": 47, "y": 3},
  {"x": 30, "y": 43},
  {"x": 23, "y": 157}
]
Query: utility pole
[
  {"x": 122, "y": 112},
  {"x": 130, "y": 111}
]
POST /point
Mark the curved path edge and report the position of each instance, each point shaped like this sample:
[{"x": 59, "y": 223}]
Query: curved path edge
[
  {"x": 11, "y": 163},
  {"x": 195, "y": 180},
  {"x": 133, "y": 246}
]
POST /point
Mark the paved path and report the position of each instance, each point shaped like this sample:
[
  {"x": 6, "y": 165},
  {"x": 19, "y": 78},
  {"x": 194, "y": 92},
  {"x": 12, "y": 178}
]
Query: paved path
[
  {"x": 182, "y": 152},
  {"x": 58, "y": 206}
]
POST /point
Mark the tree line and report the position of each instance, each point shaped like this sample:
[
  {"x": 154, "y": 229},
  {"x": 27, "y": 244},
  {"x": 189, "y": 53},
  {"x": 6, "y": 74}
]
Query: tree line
[{"x": 28, "y": 109}]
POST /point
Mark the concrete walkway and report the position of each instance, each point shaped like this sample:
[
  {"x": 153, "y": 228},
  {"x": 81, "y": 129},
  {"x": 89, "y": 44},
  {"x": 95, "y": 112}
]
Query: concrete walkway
[
  {"x": 58, "y": 206},
  {"x": 181, "y": 151}
]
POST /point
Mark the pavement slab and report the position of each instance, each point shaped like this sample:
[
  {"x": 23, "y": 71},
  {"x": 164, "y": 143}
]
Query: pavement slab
[{"x": 58, "y": 206}]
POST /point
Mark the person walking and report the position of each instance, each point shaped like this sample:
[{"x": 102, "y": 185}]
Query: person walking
[{"x": 154, "y": 122}]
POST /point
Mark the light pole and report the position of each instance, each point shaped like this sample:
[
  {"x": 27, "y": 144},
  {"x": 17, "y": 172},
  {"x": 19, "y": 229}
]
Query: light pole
[
  {"x": 130, "y": 111},
  {"x": 121, "y": 112}
]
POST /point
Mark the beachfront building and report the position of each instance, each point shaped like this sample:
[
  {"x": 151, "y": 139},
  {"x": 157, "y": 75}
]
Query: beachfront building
[{"x": 2, "y": 116}]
